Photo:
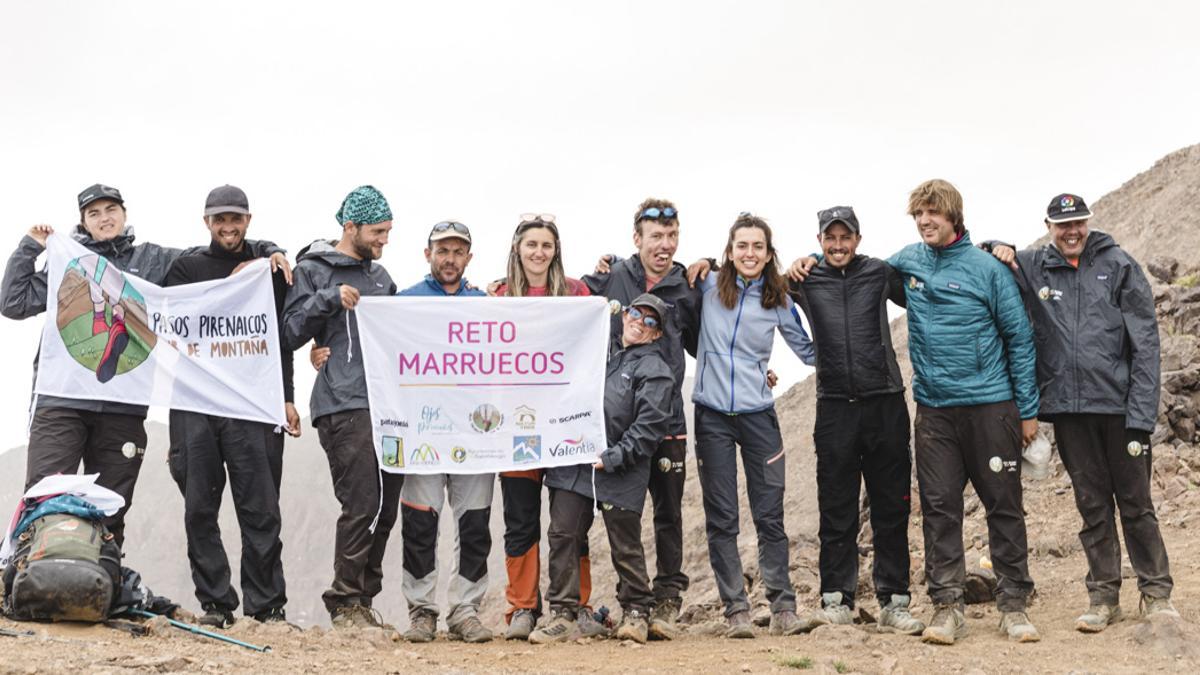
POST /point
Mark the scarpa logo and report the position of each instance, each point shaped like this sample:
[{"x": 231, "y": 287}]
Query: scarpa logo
[
  {"x": 527, "y": 449},
  {"x": 424, "y": 455},
  {"x": 433, "y": 421},
  {"x": 571, "y": 447},
  {"x": 486, "y": 419}
]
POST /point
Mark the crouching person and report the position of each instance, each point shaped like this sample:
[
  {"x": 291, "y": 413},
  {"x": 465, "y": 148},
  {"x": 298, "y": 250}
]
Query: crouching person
[{"x": 637, "y": 397}]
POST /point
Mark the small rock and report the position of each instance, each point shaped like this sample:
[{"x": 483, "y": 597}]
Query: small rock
[
  {"x": 746, "y": 668},
  {"x": 159, "y": 625},
  {"x": 888, "y": 664},
  {"x": 846, "y": 637}
]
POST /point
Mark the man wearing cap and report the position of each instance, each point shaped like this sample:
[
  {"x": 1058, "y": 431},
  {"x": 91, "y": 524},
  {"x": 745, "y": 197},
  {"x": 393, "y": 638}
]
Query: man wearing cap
[
  {"x": 470, "y": 495},
  {"x": 204, "y": 447},
  {"x": 329, "y": 279},
  {"x": 1098, "y": 370},
  {"x": 862, "y": 427},
  {"x": 108, "y": 437}
]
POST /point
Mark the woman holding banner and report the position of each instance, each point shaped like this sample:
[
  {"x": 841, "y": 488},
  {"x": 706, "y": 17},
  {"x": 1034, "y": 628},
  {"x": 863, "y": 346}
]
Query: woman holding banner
[
  {"x": 637, "y": 413},
  {"x": 744, "y": 304},
  {"x": 535, "y": 269}
]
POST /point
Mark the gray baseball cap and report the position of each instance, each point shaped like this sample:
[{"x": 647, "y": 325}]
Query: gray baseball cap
[
  {"x": 837, "y": 214},
  {"x": 652, "y": 302},
  {"x": 226, "y": 199}
]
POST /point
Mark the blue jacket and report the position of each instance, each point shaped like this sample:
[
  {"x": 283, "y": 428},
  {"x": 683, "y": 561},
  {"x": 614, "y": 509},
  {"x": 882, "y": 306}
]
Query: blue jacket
[
  {"x": 735, "y": 345},
  {"x": 431, "y": 286},
  {"x": 968, "y": 335}
]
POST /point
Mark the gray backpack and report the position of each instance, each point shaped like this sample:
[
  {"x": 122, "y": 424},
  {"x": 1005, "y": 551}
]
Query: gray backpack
[{"x": 65, "y": 568}]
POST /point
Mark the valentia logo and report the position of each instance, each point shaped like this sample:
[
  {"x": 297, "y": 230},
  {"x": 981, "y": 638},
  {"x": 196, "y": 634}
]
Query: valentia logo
[
  {"x": 527, "y": 449},
  {"x": 571, "y": 447},
  {"x": 393, "y": 451},
  {"x": 424, "y": 455}
]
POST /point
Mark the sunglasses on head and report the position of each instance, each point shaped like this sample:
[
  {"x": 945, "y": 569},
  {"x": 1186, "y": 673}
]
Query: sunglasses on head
[
  {"x": 451, "y": 225},
  {"x": 638, "y": 315},
  {"x": 547, "y": 218},
  {"x": 655, "y": 213}
]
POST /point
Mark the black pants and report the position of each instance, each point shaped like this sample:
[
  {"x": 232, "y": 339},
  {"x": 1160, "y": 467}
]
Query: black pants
[
  {"x": 1093, "y": 450},
  {"x": 60, "y": 438},
  {"x": 628, "y": 557},
  {"x": 363, "y": 491},
  {"x": 667, "y": 475},
  {"x": 980, "y": 443},
  {"x": 857, "y": 441},
  {"x": 570, "y": 520},
  {"x": 203, "y": 448}
]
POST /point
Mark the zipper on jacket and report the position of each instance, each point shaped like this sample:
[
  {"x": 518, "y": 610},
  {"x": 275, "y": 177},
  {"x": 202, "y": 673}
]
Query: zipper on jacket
[
  {"x": 1075, "y": 333},
  {"x": 732, "y": 340},
  {"x": 846, "y": 340}
]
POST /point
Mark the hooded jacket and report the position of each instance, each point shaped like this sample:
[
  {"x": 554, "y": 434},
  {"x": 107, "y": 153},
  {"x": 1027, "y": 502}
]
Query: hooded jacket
[
  {"x": 847, "y": 311},
  {"x": 968, "y": 336},
  {"x": 432, "y": 287},
  {"x": 24, "y": 291},
  {"x": 625, "y": 281},
  {"x": 735, "y": 346},
  {"x": 637, "y": 414},
  {"x": 313, "y": 311},
  {"x": 1097, "y": 334}
]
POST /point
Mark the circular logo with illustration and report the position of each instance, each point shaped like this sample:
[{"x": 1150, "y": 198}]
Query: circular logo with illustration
[{"x": 102, "y": 318}]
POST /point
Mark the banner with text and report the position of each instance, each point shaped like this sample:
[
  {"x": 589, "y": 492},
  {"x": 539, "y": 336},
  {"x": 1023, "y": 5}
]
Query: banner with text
[
  {"x": 478, "y": 385},
  {"x": 211, "y": 347}
]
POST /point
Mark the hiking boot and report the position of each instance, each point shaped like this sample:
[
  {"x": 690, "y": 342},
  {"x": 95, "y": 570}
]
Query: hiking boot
[
  {"x": 634, "y": 626},
  {"x": 470, "y": 629},
  {"x": 833, "y": 611},
  {"x": 948, "y": 624},
  {"x": 739, "y": 626},
  {"x": 1161, "y": 606},
  {"x": 1097, "y": 618},
  {"x": 663, "y": 618},
  {"x": 588, "y": 625},
  {"x": 422, "y": 627},
  {"x": 894, "y": 617},
  {"x": 272, "y": 615},
  {"x": 1018, "y": 627},
  {"x": 520, "y": 625},
  {"x": 560, "y": 629},
  {"x": 784, "y": 623},
  {"x": 216, "y": 616},
  {"x": 118, "y": 339}
]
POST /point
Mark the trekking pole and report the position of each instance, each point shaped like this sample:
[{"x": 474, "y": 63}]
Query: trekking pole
[
  {"x": 14, "y": 633},
  {"x": 200, "y": 631}
]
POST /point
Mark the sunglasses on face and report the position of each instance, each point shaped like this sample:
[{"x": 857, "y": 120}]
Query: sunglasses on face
[
  {"x": 450, "y": 225},
  {"x": 638, "y": 315},
  {"x": 547, "y": 218},
  {"x": 655, "y": 213}
]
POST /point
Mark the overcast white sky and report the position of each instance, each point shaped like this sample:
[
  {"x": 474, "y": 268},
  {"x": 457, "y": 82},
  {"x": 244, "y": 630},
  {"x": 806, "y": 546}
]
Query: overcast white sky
[{"x": 480, "y": 111}]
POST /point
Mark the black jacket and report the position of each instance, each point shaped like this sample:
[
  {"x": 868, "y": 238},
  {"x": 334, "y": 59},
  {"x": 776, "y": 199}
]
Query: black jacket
[
  {"x": 215, "y": 262},
  {"x": 313, "y": 311},
  {"x": 24, "y": 291},
  {"x": 847, "y": 310},
  {"x": 681, "y": 327},
  {"x": 637, "y": 394},
  {"x": 1097, "y": 335}
]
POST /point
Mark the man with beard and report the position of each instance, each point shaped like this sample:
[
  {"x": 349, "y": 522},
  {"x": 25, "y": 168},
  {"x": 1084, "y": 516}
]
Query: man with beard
[
  {"x": 653, "y": 270},
  {"x": 204, "y": 447},
  {"x": 329, "y": 280},
  {"x": 470, "y": 495},
  {"x": 108, "y": 437}
]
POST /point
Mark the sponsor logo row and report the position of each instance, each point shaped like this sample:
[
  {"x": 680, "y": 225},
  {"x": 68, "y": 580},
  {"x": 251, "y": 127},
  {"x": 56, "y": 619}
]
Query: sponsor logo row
[
  {"x": 526, "y": 449},
  {"x": 484, "y": 419}
]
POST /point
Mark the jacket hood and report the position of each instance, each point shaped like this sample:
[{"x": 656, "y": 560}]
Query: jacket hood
[
  {"x": 1097, "y": 242},
  {"x": 635, "y": 263},
  {"x": 326, "y": 251},
  {"x": 121, "y": 243}
]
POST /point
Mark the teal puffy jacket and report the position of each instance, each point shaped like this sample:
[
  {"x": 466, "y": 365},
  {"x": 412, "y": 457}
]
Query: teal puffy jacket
[{"x": 968, "y": 335}]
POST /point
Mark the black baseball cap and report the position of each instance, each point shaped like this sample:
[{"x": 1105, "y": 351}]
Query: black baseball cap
[
  {"x": 98, "y": 192},
  {"x": 653, "y": 302},
  {"x": 226, "y": 199},
  {"x": 837, "y": 214},
  {"x": 1067, "y": 207}
]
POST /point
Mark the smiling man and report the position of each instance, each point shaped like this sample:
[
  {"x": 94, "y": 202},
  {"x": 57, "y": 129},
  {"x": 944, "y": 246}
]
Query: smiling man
[{"x": 1098, "y": 369}]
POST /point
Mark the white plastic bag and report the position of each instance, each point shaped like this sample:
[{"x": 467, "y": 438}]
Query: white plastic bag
[{"x": 1035, "y": 458}]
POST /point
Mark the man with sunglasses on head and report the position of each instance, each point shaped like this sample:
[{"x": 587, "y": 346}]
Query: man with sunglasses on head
[
  {"x": 470, "y": 495},
  {"x": 652, "y": 269}
]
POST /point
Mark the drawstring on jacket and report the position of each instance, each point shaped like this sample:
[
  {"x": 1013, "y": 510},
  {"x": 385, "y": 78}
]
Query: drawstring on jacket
[{"x": 349, "y": 338}]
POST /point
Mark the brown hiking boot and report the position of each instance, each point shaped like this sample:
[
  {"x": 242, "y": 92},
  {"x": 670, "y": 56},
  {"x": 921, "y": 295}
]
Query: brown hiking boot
[
  {"x": 663, "y": 618},
  {"x": 1097, "y": 618},
  {"x": 471, "y": 630},
  {"x": 739, "y": 626},
  {"x": 947, "y": 626},
  {"x": 422, "y": 627}
]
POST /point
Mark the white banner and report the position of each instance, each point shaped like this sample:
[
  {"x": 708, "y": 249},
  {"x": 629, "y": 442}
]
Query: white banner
[
  {"x": 477, "y": 385},
  {"x": 210, "y": 347}
]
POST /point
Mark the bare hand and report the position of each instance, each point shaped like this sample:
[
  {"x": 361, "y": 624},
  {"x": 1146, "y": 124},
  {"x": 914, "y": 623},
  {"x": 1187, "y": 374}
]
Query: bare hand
[
  {"x": 279, "y": 262},
  {"x": 318, "y": 356},
  {"x": 602, "y": 265},
  {"x": 772, "y": 379},
  {"x": 1028, "y": 432},
  {"x": 349, "y": 296},
  {"x": 39, "y": 233},
  {"x": 1006, "y": 255},
  {"x": 599, "y": 466},
  {"x": 801, "y": 267},
  {"x": 697, "y": 270},
  {"x": 494, "y": 288},
  {"x": 293, "y": 420}
]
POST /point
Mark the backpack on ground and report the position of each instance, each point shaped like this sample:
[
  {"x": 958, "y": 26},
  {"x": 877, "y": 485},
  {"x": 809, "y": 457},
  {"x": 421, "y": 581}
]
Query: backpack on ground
[{"x": 65, "y": 568}]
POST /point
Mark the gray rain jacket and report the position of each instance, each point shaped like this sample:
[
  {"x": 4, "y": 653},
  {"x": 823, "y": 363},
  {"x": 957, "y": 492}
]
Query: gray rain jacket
[
  {"x": 313, "y": 311},
  {"x": 1097, "y": 335},
  {"x": 24, "y": 290},
  {"x": 637, "y": 414}
]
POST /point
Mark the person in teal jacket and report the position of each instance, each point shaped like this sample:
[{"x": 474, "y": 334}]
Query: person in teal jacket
[{"x": 975, "y": 383}]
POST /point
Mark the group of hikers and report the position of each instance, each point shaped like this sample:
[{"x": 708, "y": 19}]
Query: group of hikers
[{"x": 999, "y": 339}]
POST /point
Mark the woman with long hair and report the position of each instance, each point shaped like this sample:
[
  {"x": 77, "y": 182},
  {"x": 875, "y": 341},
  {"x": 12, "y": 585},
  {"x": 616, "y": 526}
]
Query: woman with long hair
[
  {"x": 744, "y": 304},
  {"x": 535, "y": 268}
]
